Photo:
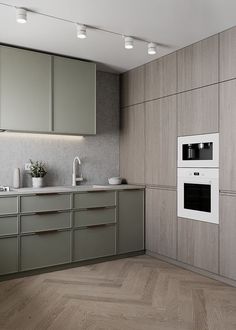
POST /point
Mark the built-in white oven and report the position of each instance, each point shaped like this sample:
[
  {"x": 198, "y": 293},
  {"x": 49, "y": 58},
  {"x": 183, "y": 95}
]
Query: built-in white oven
[
  {"x": 198, "y": 150},
  {"x": 198, "y": 194}
]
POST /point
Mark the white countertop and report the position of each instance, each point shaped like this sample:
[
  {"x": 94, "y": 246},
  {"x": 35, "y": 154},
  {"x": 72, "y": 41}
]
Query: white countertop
[{"x": 68, "y": 189}]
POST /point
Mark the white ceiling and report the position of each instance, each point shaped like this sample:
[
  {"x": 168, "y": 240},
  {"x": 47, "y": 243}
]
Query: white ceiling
[{"x": 172, "y": 23}]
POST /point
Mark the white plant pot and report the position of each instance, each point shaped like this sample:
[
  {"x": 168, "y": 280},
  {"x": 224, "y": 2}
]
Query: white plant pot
[{"x": 37, "y": 182}]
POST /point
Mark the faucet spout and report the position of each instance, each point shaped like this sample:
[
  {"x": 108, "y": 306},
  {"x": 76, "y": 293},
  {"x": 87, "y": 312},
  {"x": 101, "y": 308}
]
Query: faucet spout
[{"x": 74, "y": 178}]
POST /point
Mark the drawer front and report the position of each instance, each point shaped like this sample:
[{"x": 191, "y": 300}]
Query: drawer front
[
  {"x": 45, "y": 221},
  {"x": 94, "y": 199},
  {"x": 8, "y": 255},
  {"x": 45, "y": 202},
  {"x": 94, "y": 242},
  {"x": 8, "y": 205},
  {"x": 45, "y": 250},
  {"x": 94, "y": 217},
  {"x": 8, "y": 226}
]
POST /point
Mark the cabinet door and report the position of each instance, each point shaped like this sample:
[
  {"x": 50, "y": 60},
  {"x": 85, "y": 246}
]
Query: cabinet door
[
  {"x": 227, "y": 135},
  {"x": 161, "y": 135},
  {"x": 198, "y": 111},
  {"x": 131, "y": 221},
  {"x": 161, "y": 77},
  {"x": 45, "y": 249},
  {"x": 132, "y": 87},
  {"x": 228, "y": 54},
  {"x": 228, "y": 236},
  {"x": 198, "y": 244},
  {"x": 198, "y": 64},
  {"x": 74, "y": 89},
  {"x": 94, "y": 242},
  {"x": 132, "y": 141},
  {"x": 8, "y": 255},
  {"x": 161, "y": 222},
  {"x": 25, "y": 79}
]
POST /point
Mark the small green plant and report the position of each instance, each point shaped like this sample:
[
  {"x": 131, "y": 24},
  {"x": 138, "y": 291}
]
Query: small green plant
[{"x": 37, "y": 169}]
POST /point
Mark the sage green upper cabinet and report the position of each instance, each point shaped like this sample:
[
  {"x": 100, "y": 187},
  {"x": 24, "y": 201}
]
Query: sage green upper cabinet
[
  {"x": 25, "y": 80},
  {"x": 161, "y": 77},
  {"x": 228, "y": 54},
  {"x": 198, "y": 64},
  {"x": 74, "y": 100}
]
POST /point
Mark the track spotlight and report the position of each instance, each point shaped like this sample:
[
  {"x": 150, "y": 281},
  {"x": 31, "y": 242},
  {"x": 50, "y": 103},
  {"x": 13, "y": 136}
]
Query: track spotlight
[
  {"x": 81, "y": 31},
  {"x": 21, "y": 15},
  {"x": 129, "y": 42},
  {"x": 152, "y": 48}
]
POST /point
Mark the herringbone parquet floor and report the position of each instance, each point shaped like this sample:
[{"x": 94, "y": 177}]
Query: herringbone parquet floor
[{"x": 136, "y": 293}]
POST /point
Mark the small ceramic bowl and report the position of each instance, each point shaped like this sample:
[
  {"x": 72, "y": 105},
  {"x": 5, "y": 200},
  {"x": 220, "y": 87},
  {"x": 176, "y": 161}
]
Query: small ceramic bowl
[{"x": 115, "y": 180}]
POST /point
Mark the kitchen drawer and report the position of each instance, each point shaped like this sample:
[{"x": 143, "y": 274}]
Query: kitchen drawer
[
  {"x": 8, "y": 226},
  {"x": 45, "y": 202},
  {"x": 45, "y": 221},
  {"x": 8, "y": 205},
  {"x": 94, "y": 216},
  {"x": 45, "y": 249},
  {"x": 94, "y": 242},
  {"x": 94, "y": 199},
  {"x": 8, "y": 255}
]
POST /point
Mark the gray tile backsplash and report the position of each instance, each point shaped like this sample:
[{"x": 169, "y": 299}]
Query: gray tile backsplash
[{"x": 99, "y": 154}]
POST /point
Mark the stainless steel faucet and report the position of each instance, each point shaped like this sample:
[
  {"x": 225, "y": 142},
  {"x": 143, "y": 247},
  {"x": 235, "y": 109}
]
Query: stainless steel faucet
[{"x": 74, "y": 178}]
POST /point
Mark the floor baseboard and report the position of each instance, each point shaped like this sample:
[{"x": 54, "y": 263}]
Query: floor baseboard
[{"x": 192, "y": 268}]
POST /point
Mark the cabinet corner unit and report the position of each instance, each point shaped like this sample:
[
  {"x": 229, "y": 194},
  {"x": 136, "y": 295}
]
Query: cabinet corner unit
[
  {"x": 44, "y": 230},
  {"x": 53, "y": 94}
]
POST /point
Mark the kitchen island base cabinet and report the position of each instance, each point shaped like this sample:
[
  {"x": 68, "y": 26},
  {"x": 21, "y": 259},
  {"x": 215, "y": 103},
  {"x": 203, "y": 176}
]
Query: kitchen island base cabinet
[
  {"x": 45, "y": 249},
  {"x": 131, "y": 221},
  {"x": 8, "y": 255},
  {"x": 94, "y": 242}
]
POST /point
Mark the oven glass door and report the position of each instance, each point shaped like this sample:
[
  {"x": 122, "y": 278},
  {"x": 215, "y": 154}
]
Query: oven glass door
[
  {"x": 197, "y": 197},
  {"x": 198, "y": 194}
]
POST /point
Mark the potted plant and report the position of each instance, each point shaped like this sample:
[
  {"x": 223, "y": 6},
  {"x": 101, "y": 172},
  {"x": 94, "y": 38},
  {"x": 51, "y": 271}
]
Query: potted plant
[{"x": 38, "y": 172}]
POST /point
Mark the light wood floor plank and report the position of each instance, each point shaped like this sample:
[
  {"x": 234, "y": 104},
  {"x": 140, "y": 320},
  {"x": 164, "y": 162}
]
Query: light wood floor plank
[{"x": 139, "y": 293}]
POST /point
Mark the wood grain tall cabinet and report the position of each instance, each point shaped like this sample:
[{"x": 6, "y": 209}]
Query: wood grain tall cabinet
[
  {"x": 227, "y": 153},
  {"x": 189, "y": 92}
]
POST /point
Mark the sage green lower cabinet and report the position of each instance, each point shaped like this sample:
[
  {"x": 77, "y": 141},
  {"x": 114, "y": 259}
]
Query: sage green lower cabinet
[
  {"x": 45, "y": 249},
  {"x": 8, "y": 205},
  {"x": 44, "y": 202},
  {"x": 131, "y": 221},
  {"x": 60, "y": 228},
  {"x": 94, "y": 216},
  {"x": 45, "y": 221},
  {"x": 94, "y": 199},
  {"x": 94, "y": 242},
  {"x": 8, "y": 255},
  {"x": 8, "y": 226}
]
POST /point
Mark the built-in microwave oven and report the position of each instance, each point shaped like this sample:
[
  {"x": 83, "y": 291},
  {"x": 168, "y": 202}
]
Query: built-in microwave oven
[
  {"x": 198, "y": 194},
  {"x": 198, "y": 150}
]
